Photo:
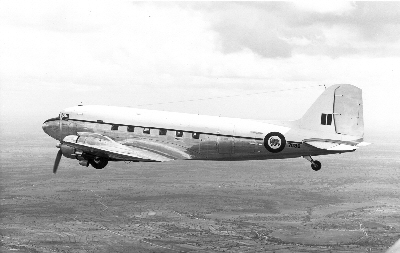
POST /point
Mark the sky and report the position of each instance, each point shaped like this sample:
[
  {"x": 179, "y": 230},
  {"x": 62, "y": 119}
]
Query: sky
[{"x": 264, "y": 60}]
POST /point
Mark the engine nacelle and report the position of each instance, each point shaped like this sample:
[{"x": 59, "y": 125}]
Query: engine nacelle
[
  {"x": 86, "y": 139},
  {"x": 68, "y": 151}
]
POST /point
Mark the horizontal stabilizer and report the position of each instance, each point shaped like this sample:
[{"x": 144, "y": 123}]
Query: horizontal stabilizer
[
  {"x": 363, "y": 144},
  {"x": 334, "y": 146},
  {"x": 322, "y": 144},
  {"x": 344, "y": 147}
]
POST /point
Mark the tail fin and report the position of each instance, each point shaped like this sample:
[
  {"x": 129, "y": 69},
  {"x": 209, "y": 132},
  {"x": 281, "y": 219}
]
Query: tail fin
[{"x": 338, "y": 110}]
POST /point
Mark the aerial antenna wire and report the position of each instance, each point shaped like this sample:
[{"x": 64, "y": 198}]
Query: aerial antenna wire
[{"x": 229, "y": 96}]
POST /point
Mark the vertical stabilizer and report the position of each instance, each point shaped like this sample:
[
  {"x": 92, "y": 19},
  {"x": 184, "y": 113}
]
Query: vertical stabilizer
[{"x": 338, "y": 110}]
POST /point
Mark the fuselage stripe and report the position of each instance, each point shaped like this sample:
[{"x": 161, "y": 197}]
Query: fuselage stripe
[{"x": 168, "y": 129}]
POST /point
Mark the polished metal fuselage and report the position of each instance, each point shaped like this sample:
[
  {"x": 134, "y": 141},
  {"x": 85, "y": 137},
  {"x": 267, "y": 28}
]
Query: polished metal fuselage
[{"x": 174, "y": 135}]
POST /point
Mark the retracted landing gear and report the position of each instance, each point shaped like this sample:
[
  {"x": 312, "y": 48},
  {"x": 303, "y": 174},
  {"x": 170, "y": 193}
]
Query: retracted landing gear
[{"x": 315, "y": 165}]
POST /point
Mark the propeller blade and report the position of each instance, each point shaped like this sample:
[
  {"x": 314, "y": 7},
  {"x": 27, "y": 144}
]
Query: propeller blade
[
  {"x": 57, "y": 161},
  {"x": 60, "y": 121}
]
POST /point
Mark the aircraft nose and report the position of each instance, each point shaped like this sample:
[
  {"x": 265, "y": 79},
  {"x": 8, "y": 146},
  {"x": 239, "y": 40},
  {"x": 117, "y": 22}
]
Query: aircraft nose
[
  {"x": 46, "y": 127},
  {"x": 50, "y": 127}
]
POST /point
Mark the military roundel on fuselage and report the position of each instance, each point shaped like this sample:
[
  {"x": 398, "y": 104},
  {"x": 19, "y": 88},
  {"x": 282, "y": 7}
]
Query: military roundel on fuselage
[{"x": 274, "y": 142}]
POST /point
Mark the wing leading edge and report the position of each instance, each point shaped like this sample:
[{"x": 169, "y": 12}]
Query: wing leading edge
[{"x": 102, "y": 146}]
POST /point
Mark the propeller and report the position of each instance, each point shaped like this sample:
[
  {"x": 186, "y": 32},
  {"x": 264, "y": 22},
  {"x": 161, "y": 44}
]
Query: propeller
[
  {"x": 59, "y": 153},
  {"x": 60, "y": 125},
  {"x": 57, "y": 161}
]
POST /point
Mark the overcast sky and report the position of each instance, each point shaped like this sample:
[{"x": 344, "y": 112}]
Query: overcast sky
[{"x": 56, "y": 54}]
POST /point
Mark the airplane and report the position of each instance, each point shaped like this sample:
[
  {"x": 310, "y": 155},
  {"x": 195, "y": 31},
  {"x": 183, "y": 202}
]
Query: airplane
[{"x": 97, "y": 134}]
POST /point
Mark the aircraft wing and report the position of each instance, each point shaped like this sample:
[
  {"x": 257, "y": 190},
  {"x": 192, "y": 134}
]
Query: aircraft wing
[{"x": 99, "y": 145}]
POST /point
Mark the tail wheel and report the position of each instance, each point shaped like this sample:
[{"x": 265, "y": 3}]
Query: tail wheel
[
  {"x": 98, "y": 162},
  {"x": 274, "y": 142},
  {"x": 316, "y": 165}
]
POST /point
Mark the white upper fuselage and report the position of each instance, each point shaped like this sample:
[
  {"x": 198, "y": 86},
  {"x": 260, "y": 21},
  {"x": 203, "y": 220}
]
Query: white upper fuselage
[{"x": 203, "y": 124}]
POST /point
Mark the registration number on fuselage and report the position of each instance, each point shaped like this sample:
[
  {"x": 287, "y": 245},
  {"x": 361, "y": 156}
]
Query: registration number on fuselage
[{"x": 294, "y": 144}]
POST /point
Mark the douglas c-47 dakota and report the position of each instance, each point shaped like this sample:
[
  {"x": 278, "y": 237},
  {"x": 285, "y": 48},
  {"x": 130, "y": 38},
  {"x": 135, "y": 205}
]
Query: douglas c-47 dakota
[{"x": 95, "y": 134}]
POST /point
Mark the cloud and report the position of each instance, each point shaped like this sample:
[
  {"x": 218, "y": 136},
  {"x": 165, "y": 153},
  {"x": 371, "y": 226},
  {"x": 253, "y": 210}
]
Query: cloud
[
  {"x": 60, "y": 16},
  {"x": 324, "y": 6},
  {"x": 282, "y": 29},
  {"x": 57, "y": 54},
  {"x": 122, "y": 42},
  {"x": 164, "y": 44},
  {"x": 242, "y": 26},
  {"x": 367, "y": 28}
]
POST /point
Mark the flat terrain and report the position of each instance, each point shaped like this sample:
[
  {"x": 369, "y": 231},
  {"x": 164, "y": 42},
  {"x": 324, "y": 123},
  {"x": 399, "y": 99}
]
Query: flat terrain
[{"x": 351, "y": 205}]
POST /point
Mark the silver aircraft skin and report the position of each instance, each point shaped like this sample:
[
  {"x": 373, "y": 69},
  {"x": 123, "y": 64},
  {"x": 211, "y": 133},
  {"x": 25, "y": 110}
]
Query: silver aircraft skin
[{"x": 96, "y": 134}]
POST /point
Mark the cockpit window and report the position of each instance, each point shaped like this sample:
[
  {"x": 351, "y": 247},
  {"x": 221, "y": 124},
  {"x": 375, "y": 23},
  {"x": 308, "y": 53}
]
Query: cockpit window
[
  {"x": 131, "y": 129},
  {"x": 114, "y": 127},
  {"x": 146, "y": 130},
  {"x": 52, "y": 119},
  {"x": 162, "y": 132},
  {"x": 65, "y": 116}
]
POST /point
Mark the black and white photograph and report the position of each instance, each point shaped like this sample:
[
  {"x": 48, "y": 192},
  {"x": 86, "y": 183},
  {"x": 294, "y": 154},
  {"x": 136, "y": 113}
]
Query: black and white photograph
[{"x": 207, "y": 126}]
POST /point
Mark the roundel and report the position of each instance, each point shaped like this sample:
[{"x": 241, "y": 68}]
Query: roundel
[{"x": 274, "y": 142}]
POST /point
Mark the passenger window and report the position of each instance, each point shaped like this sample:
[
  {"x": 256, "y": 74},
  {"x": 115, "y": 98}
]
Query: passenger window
[
  {"x": 131, "y": 129},
  {"x": 196, "y": 135},
  {"x": 146, "y": 130},
  {"x": 162, "y": 132},
  {"x": 114, "y": 127},
  {"x": 179, "y": 133}
]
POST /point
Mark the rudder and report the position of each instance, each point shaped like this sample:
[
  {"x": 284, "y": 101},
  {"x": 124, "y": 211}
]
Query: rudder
[{"x": 348, "y": 111}]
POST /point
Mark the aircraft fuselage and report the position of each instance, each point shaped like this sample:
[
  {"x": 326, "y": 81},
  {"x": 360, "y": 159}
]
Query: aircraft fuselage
[
  {"x": 95, "y": 134},
  {"x": 180, "y": 135}
]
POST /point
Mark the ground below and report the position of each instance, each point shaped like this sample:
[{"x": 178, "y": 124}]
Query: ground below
[{"x": 351, "y": 205}]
